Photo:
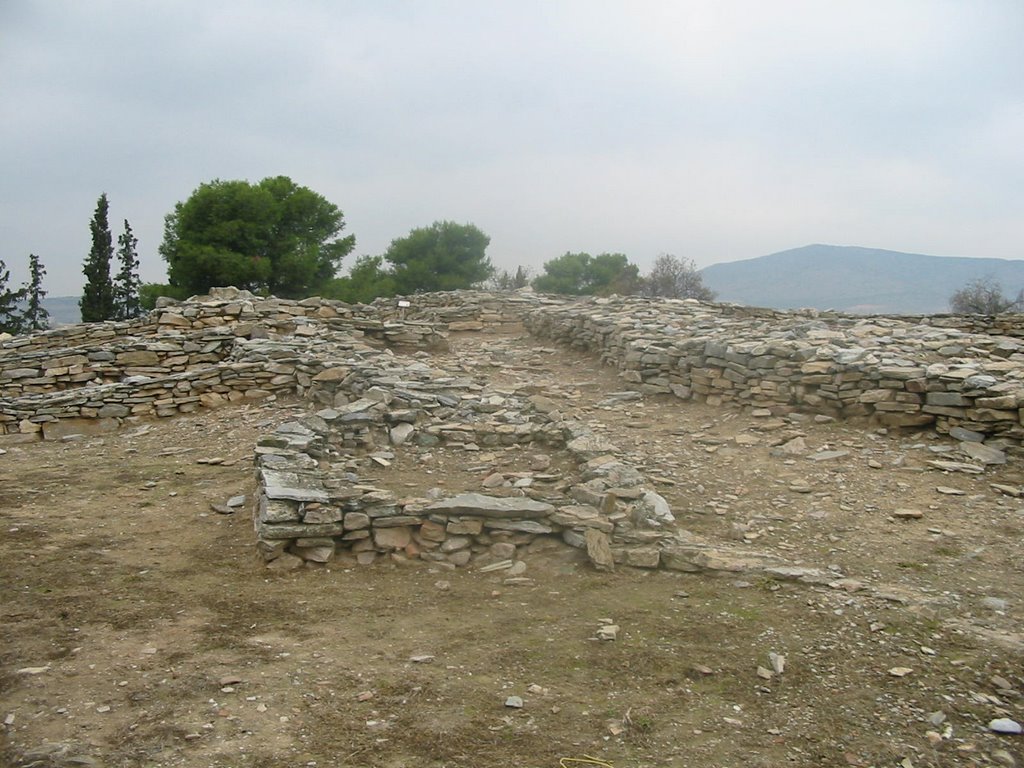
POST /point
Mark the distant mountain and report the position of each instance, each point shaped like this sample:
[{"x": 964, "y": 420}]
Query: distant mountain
[{"x": 858, "y": 280}]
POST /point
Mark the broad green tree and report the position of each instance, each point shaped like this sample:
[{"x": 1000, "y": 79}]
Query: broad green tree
[
  {"x": 272, "y": 237},
  {"x": 35, "y": 317},
  {"x": 367, "y": 281},
  {"x": 127, "y": 283},
  {"x": 442, "y": 257},
  {"x": 97, "y": 302},
  {"x": 10, "y": 316},
  {"x": 580, "y": 274}
]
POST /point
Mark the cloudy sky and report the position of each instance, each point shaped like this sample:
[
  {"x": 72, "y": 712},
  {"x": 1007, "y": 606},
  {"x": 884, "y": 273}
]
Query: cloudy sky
[{"x": 711, "y": 129}]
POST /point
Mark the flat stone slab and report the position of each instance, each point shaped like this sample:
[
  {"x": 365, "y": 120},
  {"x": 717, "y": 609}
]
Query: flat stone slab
[
  {"x": 279, "y": 484},
  {"x": 490, "y": 506}
]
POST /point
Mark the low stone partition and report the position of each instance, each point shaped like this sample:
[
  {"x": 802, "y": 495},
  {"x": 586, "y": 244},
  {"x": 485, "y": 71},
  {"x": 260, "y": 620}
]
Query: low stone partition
[
  {"x": 884, "y": 369},
  {"x": 312, "y": 508},
  {"x": 467, "y": 310}
]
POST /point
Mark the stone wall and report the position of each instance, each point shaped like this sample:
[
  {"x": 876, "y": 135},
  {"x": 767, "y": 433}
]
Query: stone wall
[
  {"x": 941, "y": 372},
  {"x": 181, "y": 357},
  {"x": 889, "y": 370}
]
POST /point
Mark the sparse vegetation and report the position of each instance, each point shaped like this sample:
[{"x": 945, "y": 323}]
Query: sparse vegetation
[
  {"x": 984, "y": 296},
  {"x": 673, "y": 277}
]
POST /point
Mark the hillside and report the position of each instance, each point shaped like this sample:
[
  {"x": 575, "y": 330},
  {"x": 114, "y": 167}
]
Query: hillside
[{"x": 853, "y": 279}]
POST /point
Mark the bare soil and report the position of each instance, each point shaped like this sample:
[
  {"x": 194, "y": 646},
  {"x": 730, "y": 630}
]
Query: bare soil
[{"x": 139, "y": 628}]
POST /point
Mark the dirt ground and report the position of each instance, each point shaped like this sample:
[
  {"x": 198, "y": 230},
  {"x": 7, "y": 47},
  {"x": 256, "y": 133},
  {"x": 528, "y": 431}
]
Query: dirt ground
[{"x": 139, "y": 629}]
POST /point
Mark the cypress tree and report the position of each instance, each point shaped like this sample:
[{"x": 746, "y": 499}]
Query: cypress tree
[
  {"x": 10, "y": 318},
  {"x": 127, "y": 283},
  {"x": 97, "y": 302},
  {"x": 36, "y": 317}
]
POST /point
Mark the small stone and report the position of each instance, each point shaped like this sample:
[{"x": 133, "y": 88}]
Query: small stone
[
  {"x": 599, "y": 550},
  {"x": 945, "y": 490},
  {"x": 778, "y": 662},
  {"x": 33, "y": 670},
  {"x": 937, "y": 718},
  {"x": 608, "y": 632},
  {"x": 1001, "y": 683},
  {"x": 994, "y": 603},
  {"x": 1004, "y": 725},
  {"x": 908, "y": 514},
  {"x": 1013, "y": 491},
  {"x": 514, "y": 702},
  {"x": 364, "y": 696},
  {"x": 764, "y": 673},
  {"x": 983, "y": 454},
  {"x": 423, "y": 658},
  {"x": 900, "y": 671}
]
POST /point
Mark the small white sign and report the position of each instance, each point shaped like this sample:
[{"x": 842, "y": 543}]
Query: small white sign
[{"x": 403, "y": 303}]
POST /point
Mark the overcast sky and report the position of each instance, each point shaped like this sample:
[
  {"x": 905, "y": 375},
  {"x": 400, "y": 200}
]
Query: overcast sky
[{"x": 715, "y": 130}]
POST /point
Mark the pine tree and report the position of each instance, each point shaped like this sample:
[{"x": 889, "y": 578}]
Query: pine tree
[
  {"x": 97, "y": 302},
  {"x": 10, "y": 317},
  {"x": 36, "y": 317},
  {"x": 127, "y": 283}
]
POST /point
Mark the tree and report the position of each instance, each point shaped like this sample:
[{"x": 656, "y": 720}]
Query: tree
[
  {"x": 580, "y": 274},
  {"x": 35, "y": 316},
  {"x": 272, "y": 237},
  {"x": 676, "y": 278},
  {"x": 10, "y": 317},
  {"x": 984, "y": 296},
  {"x": 442, "y": 257},
  {"x": 97, "y": 302},
  {"x": 126, "y": 285},
  {"x": 366, "y": 281}
]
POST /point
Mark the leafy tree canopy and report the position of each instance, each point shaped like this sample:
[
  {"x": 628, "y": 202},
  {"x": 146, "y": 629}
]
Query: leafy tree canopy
[
  {"x": 367, "y": 280},
  {"x": 272, "y": 237},
  {"x": 580, "y": 274},
  {"x": 442, "y": 257}
]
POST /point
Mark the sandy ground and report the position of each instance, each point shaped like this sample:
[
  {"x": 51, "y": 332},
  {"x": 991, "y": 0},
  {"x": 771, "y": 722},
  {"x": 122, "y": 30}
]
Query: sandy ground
[{"x": 138, "y": 627}]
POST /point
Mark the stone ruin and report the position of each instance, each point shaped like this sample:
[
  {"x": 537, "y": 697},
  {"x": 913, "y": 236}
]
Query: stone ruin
[{"x": 370, "y": 382}]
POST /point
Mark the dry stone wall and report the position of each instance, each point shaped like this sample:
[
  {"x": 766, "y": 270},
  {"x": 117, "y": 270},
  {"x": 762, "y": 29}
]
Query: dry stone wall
[
  {"x": 943, "y": 372},
  {"x": 889, "y": 370},
  {"x": 312, "y": 507},
  {"x": 368, "y": 375}
]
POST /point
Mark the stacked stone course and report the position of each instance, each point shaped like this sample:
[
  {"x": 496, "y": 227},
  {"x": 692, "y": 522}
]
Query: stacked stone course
[
  {"x": 350, "y": 364},
  {"x": 888, "y": 370}
]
